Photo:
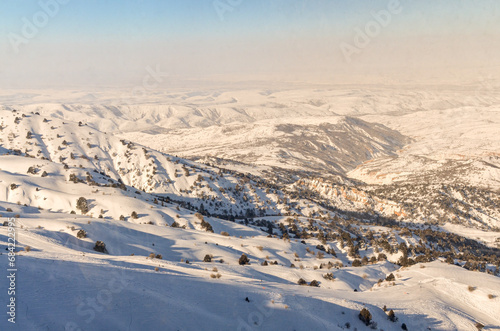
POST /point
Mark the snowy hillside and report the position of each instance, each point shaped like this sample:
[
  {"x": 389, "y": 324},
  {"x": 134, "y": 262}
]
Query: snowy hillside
[
  {"x": 140, "y": 216},
  {"x": 159, "y": 274},
  {"x": 43, "y": 150}
]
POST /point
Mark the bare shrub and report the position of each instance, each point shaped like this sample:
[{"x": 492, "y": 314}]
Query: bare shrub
[
  {"x": 243, "y": 260},
  {"x": 314, "y": 283},
  {"x": 365, "y": 316},
  {"x": 329, "y": 276},
  {"x": 301, "y": 281}
]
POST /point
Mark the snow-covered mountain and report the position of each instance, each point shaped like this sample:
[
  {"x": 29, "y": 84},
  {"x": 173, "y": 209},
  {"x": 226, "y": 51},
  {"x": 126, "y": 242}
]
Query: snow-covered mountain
[{"x": 316, "y": 187}]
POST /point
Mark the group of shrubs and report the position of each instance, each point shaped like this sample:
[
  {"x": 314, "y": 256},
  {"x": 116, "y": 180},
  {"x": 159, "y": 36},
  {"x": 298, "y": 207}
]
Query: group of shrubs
[
  {"x": 313, "y": 283},
  {"x": 366, "y": 317}
]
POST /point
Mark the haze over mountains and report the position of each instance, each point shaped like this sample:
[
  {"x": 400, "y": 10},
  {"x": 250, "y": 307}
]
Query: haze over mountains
[{"x": 250, "y": 165}]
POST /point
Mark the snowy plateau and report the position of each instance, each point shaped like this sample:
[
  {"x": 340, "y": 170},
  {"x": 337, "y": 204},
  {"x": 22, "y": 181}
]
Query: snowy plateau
[{"x": 237, "y": 208}]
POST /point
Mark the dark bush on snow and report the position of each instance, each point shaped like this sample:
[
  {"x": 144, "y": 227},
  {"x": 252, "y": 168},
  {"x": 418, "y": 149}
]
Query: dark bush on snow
[
  {"x": 244, "y": 260},
  {"x": 365, "y": 316},
  {"x": 100, "y": 247},
  {"x": 314, "y": 283}
]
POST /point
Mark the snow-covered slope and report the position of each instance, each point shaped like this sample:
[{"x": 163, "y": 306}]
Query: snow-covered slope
[
  {"x": 342, "y": 188},
  {"x": 331, "y": 144},
  {"x": 43, "y": 150},
  {"x": 128, "y": 289},
  {"x": 282, "y": 125}
]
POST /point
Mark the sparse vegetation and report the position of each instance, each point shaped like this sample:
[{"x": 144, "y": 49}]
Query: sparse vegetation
[
  {"x": 390, "y": 278},
  {"x": 82, "y": 205},
  {"x": 244, "y": 260},
  {"x": 329, "y": 276},
  {"x": 301, "y": 281},
  {"x": 100, "y": 247},
  {"x": 314, "y": 283},
  {"x": 392, "y": 316},
  {"x": 205, "y": 225},
  {"x": 365, "y": 316}
]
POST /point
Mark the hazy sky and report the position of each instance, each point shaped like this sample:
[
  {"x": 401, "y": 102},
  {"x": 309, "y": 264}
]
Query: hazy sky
[{"x": 96, "y": 43}]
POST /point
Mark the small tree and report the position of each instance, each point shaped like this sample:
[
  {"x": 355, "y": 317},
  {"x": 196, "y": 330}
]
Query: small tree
[
  {"x": 100, "y": 247},
  {"x": 243, "y": 260},
  {"x": 365, "y": 316},
  {"x": 301, "y": 281},
  {"x": 382, "y": 257},
  {"x": 207, "y": 226},
  {"x": 134, "y": 215},
  {"x": 356, "y": 263},
  {"x": 82, "y": 205},
  {"x": 81, "y": 234},
  {"x": 314, "y": 283},
  {"x": 73, "y": 178},
  {"x": 207, "y": 258},
  {"x": 390, "y": 278},
  {"x": 391, "y": 316}
]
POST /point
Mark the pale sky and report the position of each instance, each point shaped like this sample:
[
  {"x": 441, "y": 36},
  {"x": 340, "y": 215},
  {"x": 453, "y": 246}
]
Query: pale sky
[{"x": 95, "y": 43}]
